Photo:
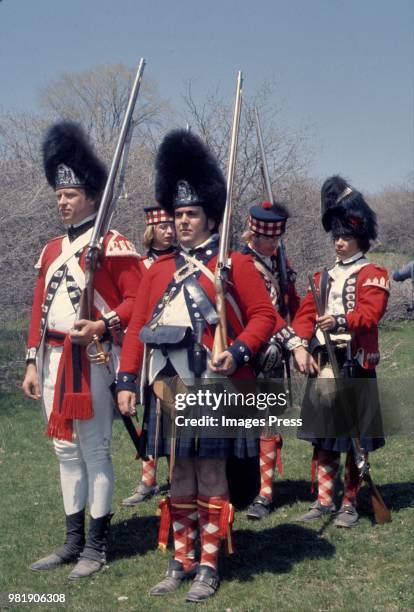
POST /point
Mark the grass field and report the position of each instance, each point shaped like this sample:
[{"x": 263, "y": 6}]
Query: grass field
[{"x": 279, "y": 564}]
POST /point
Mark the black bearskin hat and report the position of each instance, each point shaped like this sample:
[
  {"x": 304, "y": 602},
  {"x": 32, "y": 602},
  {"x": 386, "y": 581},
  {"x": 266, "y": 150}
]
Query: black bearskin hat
[
  {"x": 70, "y": 161},
  {"x": 187, "y": 174},
  {"x": 345, "y": 211}
]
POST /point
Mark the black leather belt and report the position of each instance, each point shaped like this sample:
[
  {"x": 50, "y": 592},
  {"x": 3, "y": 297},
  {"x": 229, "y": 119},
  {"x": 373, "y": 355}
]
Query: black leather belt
[{"x": 202, "y": 300}]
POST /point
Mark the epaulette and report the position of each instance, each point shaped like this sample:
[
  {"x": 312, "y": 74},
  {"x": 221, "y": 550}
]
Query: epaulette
[
  {"x": 119, "y": 246},
  {"x": 376, "y": 278}
]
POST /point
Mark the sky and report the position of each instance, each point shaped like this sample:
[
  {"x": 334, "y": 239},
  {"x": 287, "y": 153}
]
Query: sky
[{"x": 343, "y": 69}]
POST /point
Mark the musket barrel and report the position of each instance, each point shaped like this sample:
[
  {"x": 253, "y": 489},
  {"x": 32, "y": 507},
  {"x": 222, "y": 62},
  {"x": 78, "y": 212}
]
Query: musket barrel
[
  {"x": 224, "y": 243},
  {"x": 328, "y": 343},
  {"x": 108, "y": 191},
  {"x": 220, "y": 336},
  {"x": 265, "y": 168}
]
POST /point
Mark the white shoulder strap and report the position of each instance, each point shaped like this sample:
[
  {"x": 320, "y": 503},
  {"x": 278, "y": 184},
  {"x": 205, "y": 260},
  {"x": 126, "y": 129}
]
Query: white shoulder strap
[
  {"x": 68, "y": 256},
  {"x": 268, "y": 275},
  {"x": 68, "y": 251},
  {"x": 79, "y": 277}
]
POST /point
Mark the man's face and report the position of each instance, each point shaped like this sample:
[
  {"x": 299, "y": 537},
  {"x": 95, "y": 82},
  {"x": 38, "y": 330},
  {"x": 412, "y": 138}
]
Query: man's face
[
  {"x": 345, "y": 247},
  {"x": 265, "y": 245},
  {"x": 164, "y": 235},
  {"x": 192, "y": 225},
  {"x": 74, "y": 205}
]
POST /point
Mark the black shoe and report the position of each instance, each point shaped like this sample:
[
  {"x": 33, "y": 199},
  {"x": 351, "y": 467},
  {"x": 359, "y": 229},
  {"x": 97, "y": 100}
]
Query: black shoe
[
  {"x": 174, "y": 576},
  {"x": 85, "y": 567},
  {"x": 71, "y": 549},
  {"x": 205, "y": 584},
  {"x": 259, "y": 508},
  {"x": 50, "y": 562},
  {"x": 316, "y": 511},
  {"x": 347, "y": 516},
  {"x": 141, "y": 494}
]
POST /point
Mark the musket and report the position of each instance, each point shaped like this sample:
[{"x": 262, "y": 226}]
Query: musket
[
  {"x": 381, "y": 512},
  {"x": 281, "y": 252},
  {"x": 103, "y": 218},
  {"x": 107, "y": 206},
  {"x": 320, "y": 309},
  {"x": 223, "y": 262}
]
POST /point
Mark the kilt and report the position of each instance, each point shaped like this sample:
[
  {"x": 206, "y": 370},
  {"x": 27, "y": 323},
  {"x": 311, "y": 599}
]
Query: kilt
[
  {"x": 188, "y": 446},
  {"x": 357, "y": 413}
]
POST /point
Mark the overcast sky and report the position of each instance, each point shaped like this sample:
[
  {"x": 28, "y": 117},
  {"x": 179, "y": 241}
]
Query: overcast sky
[{"x": 342, "y": 67}]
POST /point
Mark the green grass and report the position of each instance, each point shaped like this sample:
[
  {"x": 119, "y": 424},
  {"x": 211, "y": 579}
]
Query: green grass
[{"x": 278, "y": 565}]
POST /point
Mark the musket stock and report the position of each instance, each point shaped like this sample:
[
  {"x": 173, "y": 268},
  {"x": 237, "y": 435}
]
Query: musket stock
[{"x": 223, "y": 262}]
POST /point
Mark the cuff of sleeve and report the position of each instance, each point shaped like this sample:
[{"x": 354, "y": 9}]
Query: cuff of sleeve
[
  {"x": 288, "y": 339},
  {"x": 112, "y": 321},
  {"x": 113, "y": 327},
  {"x": 341, "y": 324},
  {"x": 126, "y": 382},
  {"x": 31, "y": 355},
  {"x": 240, "y": 353}
]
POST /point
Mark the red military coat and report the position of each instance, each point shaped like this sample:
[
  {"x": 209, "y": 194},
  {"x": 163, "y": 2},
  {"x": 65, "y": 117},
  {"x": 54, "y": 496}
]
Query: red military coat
[
  {"x": 293, "y": 298},
  {"x": 116, "y": 279},
  {"x": 365, "y": 296},
  {"x": 251, "y": 316}
]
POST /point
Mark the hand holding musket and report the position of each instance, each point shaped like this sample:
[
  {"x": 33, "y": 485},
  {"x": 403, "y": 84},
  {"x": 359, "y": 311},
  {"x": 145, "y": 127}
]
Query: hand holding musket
[
  {"x": 94, "y": 350},
  {"x": 223, "y": 262},
  {"x": 381, "y": 512}
]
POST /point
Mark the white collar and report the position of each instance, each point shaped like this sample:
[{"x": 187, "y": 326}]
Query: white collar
[
  {"x": 199, "y": 246},
  {"x": 85, "y": 220},
  {"x": 350, "y": 260}
]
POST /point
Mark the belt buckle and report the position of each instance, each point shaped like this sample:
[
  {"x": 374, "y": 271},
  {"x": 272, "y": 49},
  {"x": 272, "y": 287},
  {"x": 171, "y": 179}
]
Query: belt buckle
[{"x": 184, "y": 272}]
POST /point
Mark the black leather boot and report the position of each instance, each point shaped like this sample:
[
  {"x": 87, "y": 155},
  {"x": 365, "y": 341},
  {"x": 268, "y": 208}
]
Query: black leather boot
[
  {"x": 71, "y": 549},
  {"x": 93, "y": 557}
]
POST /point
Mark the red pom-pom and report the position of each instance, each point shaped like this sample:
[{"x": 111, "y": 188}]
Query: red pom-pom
[{"x": 266, "y": 205}]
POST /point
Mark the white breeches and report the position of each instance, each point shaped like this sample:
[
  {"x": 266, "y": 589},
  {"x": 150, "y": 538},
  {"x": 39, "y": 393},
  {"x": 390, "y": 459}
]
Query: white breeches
[{"x": 86, "y": 472}]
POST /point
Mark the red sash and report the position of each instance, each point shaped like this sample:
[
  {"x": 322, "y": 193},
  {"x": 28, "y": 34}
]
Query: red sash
[{"x": 72, "y": 398}]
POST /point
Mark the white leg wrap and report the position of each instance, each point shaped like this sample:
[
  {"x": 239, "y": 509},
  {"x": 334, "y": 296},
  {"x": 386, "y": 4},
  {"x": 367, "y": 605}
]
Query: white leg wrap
[{"x": 73, "y": 476}]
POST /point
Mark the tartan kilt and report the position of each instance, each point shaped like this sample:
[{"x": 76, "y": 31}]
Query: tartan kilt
[
  {"x": 186, "y": 446},
  {"x": 369, "y": 419}
]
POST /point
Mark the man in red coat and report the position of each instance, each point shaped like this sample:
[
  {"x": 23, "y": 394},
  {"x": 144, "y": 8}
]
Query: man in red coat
[
  {"x": 76, "y": 395},
  {"x": 267, "y": 224},
  {"x": 158, "y": 240},
  {"x": 355, "y": 294},
  {"x": 175, "y": 315}
]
